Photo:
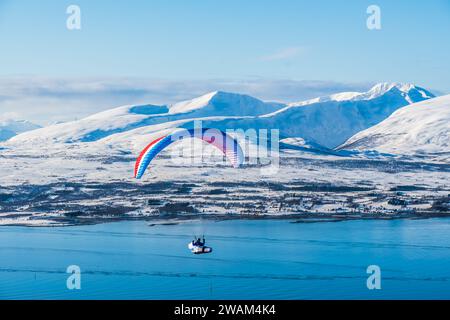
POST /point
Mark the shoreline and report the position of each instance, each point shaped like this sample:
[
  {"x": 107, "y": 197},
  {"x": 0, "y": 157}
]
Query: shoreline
[{"x": 175, "y": 219}]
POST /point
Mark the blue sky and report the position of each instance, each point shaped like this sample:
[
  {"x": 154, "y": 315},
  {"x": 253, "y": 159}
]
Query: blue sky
[{"x": 201, "y": 40}]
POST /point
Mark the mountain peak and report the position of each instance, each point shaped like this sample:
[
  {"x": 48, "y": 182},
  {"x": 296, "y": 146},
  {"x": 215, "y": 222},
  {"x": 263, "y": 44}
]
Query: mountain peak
[
  {"x": 193, "y": 104},
  {"x": 386, "y": 86},
  {"x": 406, "y": 89},
  {"x": 221, "y": 103},
  {"x": 410, "y": 92}
]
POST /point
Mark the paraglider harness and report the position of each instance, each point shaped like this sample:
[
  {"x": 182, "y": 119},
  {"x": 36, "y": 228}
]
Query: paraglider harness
[{"x": 197, "y": 246}]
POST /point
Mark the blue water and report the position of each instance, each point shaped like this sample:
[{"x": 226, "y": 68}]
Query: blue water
[{"x": 264, "y": 259}]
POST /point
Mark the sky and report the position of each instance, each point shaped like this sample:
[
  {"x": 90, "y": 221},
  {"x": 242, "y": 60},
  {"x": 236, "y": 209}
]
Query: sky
[{"x": 284, "y": 50}]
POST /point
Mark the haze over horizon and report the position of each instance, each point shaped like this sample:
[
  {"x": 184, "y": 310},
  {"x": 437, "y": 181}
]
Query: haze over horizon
[{"x": 154, "y": 52}]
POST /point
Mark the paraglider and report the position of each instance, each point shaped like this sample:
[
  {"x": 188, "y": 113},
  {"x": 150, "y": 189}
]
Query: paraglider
[
  {"x": 221, "y": 140},
  {"x": 197, "y": 246}
]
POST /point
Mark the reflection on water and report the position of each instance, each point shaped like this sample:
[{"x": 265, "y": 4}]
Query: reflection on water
[{"x": 252, "y": 259}]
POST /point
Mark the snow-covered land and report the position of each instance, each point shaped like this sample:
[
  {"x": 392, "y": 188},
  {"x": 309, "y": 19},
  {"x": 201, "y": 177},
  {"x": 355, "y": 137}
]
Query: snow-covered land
[
  {"x": 82, "y": 171},
  {"x": 419, "y": 129}
]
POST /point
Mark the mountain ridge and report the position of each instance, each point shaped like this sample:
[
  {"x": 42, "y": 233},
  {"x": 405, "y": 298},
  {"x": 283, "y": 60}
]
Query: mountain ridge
[{"x": 326, "y": 121}]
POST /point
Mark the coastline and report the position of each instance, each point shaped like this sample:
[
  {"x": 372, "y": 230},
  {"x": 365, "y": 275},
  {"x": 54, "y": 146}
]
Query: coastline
[{"x": 175, "y": 219}]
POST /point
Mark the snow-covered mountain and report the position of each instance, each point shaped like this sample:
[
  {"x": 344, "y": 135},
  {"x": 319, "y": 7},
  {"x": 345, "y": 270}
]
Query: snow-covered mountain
[
  {"x": 326, "y": 121},
  {"x": 10, "y": 128},
  {"x": 422, "y": 127},
  {"x": 409, "y": 91},
  {"x": 220, "y": 103},
  {"x": 330, "y": 121},
  {"x": 126, "y": 118}
]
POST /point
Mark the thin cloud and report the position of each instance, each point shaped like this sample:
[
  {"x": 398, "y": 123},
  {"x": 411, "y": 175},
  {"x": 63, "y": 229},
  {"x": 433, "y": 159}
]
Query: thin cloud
[
  {"x": 49, "y": 100},
  {"x": 8, "y": 116},
  {"x": 284, "y": 54}
]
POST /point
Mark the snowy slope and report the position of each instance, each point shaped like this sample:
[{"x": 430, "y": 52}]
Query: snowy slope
[
  {"x": 130, "y": 117},
  {"x": 93, "y": 127},
  {"x": 327, "y": 121},
  {"x": 330, "y": 121},
  {"x": 409, "y": 91},
  {"x": 10, "y": 128},
  {"x": 220, "y": 103},
  {"x": 319, "y": 126},
  {"x": 419, "y": 128}
]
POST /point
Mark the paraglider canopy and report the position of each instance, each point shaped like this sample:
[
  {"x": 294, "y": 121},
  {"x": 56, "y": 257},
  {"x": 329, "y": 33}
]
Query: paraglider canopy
[{"x": 221, "y": 140}]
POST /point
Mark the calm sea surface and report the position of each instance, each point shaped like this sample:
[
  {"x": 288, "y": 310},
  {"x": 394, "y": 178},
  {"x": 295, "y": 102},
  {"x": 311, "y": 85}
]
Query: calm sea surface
[{"x": 252, "y": 259}]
